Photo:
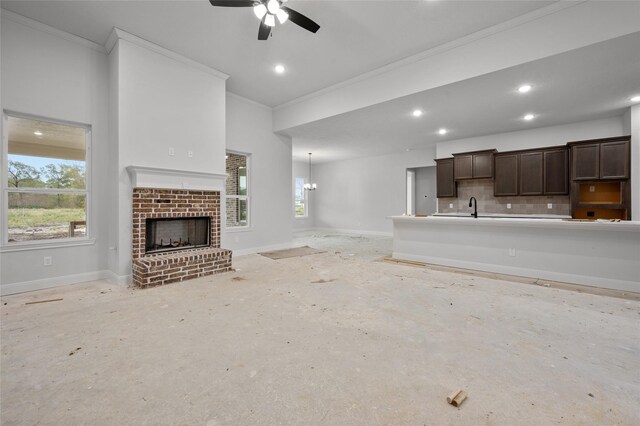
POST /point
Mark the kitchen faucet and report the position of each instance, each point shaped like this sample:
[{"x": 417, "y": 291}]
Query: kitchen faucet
[{"x": 474, "y": 202}]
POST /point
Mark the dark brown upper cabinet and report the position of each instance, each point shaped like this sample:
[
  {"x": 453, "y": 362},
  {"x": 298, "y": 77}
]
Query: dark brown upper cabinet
[
  {"x": 473, "y": 165},
  {"x": 543, "y": 171},
  {"x": 531, "y": 173},
  {"x": 556, "y": 172},
  {"x": 445, "y": 183},
  {"x": 463, "y": 166},
  {"x": 506, "y": 175},
  {"x": 600, "y": 159},
  {"x": 614, "y": 160},
  {"x": 585, "y": 161}
]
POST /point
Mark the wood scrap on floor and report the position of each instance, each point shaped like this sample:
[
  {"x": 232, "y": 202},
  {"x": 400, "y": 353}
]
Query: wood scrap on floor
[
  {"x": 405, "y": 262},
  {"x": 322, "y": 281},
  {"x": 457, "y": 397},
  {"x": 44, "y": 301}
]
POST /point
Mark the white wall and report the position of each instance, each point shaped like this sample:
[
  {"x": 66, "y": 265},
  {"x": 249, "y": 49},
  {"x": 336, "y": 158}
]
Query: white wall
[
  {"x": 359, "y": 194},
  {"x": 163, "y": 102},
  {"x": 535, "y": 138},
  {"x": 52, "y": 74},
  {"x": 301, "y": 169},
  {"x": 271, "y": 206}
]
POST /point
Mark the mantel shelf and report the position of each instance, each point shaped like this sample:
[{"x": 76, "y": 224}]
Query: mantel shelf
[{"x": 155, "y": 177}]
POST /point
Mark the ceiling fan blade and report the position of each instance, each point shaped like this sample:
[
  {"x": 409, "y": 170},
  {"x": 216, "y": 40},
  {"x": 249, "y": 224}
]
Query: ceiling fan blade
[
  {"x": 234, "y": 3},
  {"x": 264, "y": 30},
  {"x": 301, "y": 20}
]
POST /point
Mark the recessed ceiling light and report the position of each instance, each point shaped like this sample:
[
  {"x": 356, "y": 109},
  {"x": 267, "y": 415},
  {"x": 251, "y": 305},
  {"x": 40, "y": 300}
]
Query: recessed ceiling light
[
  {"x": 417, "y": 113},
  {"x": 37, "y": 133},
  {"x": 525, "y": 88},
  {"x": 635, "y": 98},
  {"x": 279, "y": 69},
  {"x": 442, "y": 131},
  {"x": 529, "y": 117}
]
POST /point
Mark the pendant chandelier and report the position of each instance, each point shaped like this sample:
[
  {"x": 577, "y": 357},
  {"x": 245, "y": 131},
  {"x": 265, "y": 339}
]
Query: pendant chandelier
[{"x": 310, "y": 186}]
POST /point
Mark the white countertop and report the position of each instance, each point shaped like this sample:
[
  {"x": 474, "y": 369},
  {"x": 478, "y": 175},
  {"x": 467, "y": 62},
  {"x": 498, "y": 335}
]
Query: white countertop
[
  {"x": 521, "y": 221},
  {"x": 507, "y": 215}
]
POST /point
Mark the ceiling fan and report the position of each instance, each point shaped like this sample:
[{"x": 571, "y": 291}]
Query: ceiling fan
[{"x": 267, "y": 11}]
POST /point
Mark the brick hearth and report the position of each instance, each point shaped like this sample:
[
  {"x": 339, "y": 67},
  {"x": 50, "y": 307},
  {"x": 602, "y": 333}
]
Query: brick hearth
[{"x": 164, "y": 268}]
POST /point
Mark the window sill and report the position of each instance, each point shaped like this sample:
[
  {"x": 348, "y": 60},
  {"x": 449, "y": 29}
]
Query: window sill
[{"x": 62, "y": 243}]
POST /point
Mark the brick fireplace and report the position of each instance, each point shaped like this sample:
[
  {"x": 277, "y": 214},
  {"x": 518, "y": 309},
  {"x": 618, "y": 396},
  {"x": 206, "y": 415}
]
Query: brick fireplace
[{"x": 176, "y": 236}]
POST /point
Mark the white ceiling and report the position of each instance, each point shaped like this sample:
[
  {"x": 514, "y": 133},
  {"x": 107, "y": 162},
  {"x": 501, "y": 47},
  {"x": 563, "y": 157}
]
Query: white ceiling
[
  {"x": 355, "y": 36},
  {"x": 584, "y": 84}
]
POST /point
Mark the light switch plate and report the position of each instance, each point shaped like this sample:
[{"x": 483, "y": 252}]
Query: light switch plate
[
  {"x": 172, "y": 151},
  {"x": 592, "y": 188},
  {"x": 508, "y": 205},
  {"x": 450, "y": 205},
  {"x": 549, "y": 206}
]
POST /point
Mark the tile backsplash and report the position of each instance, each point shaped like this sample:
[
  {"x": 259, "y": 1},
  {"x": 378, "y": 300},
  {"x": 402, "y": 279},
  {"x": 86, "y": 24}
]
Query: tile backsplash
[{"x": 482, "y": 189}]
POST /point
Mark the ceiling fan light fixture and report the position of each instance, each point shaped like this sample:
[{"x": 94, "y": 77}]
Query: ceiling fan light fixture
[
  {"x": 270, "y": 20},
  {"x": 260, "y": 10},
  {"x": 273, "y": 6},
  {"x": 282, "y": 16}
]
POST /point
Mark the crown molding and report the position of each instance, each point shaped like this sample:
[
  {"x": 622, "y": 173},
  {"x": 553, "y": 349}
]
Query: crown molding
[
  {"x": 478, "y": 35},
  {"x": 118, "y": 34},
  {"x": 36, "y": 25},
  {"x": 249, "y": 101}
]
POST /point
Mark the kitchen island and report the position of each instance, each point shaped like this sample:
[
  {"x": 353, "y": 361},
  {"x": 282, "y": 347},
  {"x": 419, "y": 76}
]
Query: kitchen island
[{"x": 598, "y": 253}]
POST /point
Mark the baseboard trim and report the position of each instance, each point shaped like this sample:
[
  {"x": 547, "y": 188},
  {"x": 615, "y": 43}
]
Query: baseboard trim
[
  {"x": 123, "y": 280},
  {"x": 295, "y": 230},
  {"x": 254, "y": 250},
  {"x": 356, "y": 231},
  {"x": 584, "y": 280},
  {"x": 24, "y": 286}
]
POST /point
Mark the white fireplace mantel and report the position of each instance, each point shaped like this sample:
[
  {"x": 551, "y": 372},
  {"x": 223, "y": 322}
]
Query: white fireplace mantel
[{"x": 154, "y": 177}]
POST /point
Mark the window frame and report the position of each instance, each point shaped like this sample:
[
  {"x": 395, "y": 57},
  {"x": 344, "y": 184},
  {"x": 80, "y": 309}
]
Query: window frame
[
  {"x": 305, "y": 199},
  {"x": 247, "y": 197},
  {"x": 5, "y": 245}
]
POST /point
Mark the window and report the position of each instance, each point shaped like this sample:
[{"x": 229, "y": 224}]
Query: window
[
  {"x": 45, "y": 185},
  {"x": 299, "y": 197},
  {"x": 237, "y": 190}
]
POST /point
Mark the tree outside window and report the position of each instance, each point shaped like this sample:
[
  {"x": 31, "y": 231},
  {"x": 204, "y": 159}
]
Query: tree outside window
[{"x": 46, "y": 187}]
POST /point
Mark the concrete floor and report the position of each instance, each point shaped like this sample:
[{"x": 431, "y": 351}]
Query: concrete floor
[{"x": 336, "y": 338}]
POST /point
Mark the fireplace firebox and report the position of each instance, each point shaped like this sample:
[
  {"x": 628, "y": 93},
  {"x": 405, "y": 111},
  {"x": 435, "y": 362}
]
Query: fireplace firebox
[{"x": 172, "y": 234}]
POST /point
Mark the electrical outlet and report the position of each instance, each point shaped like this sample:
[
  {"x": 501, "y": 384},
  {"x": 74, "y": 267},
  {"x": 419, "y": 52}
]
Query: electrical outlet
[
  {"x": 592, "y": 188},
  {"x": 512, "y": 252},
  {"x": 172, "y": 151},
  {"x": 190, "y": 154},
  {"x": 549, "y": 206},
  {"x": 508, "y": 205},
  {"x": 48, "y": 261}
]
